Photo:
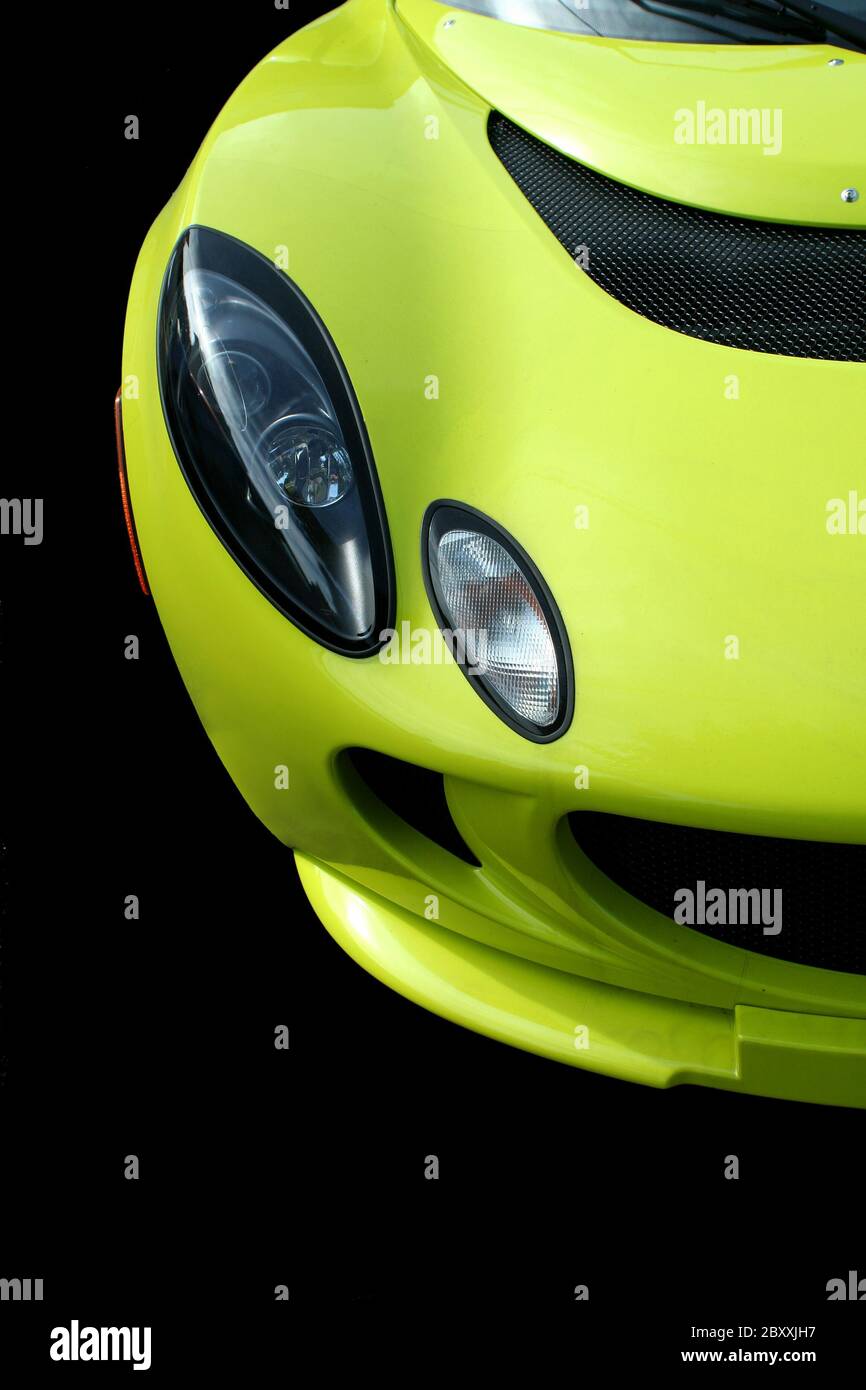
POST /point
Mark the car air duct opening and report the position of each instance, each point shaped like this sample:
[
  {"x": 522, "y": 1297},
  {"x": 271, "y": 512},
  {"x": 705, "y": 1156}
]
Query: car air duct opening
[{"x": 413, "y": 793}]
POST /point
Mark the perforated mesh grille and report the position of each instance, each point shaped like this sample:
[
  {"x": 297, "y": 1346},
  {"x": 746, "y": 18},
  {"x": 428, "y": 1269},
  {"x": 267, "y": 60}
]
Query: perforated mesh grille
[
  {"x": 771, "y": 287},
  {"x": 823, "y": 885}
]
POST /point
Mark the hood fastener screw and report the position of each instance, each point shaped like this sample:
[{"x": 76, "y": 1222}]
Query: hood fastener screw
[{"x": 850, "y": 195}]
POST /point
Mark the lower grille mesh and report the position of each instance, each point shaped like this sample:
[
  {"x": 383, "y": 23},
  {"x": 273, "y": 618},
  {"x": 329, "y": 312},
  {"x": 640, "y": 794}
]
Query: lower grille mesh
[
  {"x": 823, "y": 885},
  {"x": 794, "y": 291}
]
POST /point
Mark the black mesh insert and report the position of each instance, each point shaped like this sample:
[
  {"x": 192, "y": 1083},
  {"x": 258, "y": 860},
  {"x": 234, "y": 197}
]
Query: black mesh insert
[
  {"x": 823, "y": 885},
  {"x": 768, "y": 286}
]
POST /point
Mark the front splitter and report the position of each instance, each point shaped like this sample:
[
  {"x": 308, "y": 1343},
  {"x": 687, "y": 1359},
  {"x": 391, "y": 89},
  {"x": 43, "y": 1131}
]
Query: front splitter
[{"x": 602, "y": 1028}]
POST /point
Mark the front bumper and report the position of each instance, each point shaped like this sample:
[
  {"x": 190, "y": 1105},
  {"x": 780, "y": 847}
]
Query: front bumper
[{"x": 659, "y": 1042}]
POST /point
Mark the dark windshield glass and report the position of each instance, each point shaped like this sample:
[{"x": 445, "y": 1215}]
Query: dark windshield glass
[{"x": 653, "y": 20}]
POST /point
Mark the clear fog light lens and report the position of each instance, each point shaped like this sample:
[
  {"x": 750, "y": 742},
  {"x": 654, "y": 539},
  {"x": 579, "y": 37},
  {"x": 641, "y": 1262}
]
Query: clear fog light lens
[{"x": 506, "y": 631}]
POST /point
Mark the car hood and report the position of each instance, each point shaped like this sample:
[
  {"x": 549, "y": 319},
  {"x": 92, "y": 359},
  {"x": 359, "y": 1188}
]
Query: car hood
[{"x": 646, "y": 113}]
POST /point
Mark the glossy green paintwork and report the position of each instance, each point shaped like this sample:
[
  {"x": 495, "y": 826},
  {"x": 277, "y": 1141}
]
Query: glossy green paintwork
[
  {"x": 611, "y": 104},
  {"x": 706, "y": 521},
  {"x": 577, "y": 1020}
]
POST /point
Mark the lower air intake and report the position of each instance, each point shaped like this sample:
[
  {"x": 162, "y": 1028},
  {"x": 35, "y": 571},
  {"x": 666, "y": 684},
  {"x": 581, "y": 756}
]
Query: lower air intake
[
  {"x": 823, "y": 922},
  {"x": 415, "y": 794}
]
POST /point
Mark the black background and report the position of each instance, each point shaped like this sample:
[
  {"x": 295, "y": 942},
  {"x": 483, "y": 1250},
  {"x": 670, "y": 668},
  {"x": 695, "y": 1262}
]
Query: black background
[{"x": 155, "y": 1037}]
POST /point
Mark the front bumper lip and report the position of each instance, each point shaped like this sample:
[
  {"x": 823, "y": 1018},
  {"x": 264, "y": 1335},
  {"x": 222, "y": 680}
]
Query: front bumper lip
[{"x": 615, "y": 1031}]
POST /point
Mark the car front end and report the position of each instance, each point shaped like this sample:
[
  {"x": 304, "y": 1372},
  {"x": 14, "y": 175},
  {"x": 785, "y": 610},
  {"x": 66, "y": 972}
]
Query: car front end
[{"x": 620, "y": 366}]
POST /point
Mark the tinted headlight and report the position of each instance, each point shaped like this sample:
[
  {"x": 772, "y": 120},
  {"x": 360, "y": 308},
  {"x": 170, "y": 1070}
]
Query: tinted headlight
[
  {"x": 500, "y": 620},
  {"x": 271, "y": 441}
]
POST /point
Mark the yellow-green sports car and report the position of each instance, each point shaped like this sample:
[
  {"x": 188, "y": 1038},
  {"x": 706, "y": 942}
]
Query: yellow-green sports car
[{"x": 492, "y": 430}]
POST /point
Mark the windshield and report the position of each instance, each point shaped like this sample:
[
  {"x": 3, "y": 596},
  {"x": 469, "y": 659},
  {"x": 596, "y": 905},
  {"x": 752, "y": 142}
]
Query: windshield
[{"x": 695, "y": 21}]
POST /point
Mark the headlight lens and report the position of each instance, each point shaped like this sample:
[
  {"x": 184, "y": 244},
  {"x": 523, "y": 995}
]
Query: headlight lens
[
  {"x": 271, "y": 440},
  {"x": 500, "y": 620},
  {"x": 309, "y": 464}
]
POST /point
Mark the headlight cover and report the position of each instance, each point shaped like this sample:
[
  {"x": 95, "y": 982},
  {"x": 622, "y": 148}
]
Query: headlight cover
[
  {"x": 271, "y": 441},
  {"x": 499, "y": 619}
]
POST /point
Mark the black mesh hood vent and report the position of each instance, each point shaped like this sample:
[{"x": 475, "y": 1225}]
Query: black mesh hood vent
[{"x": 768, "y": 286}]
